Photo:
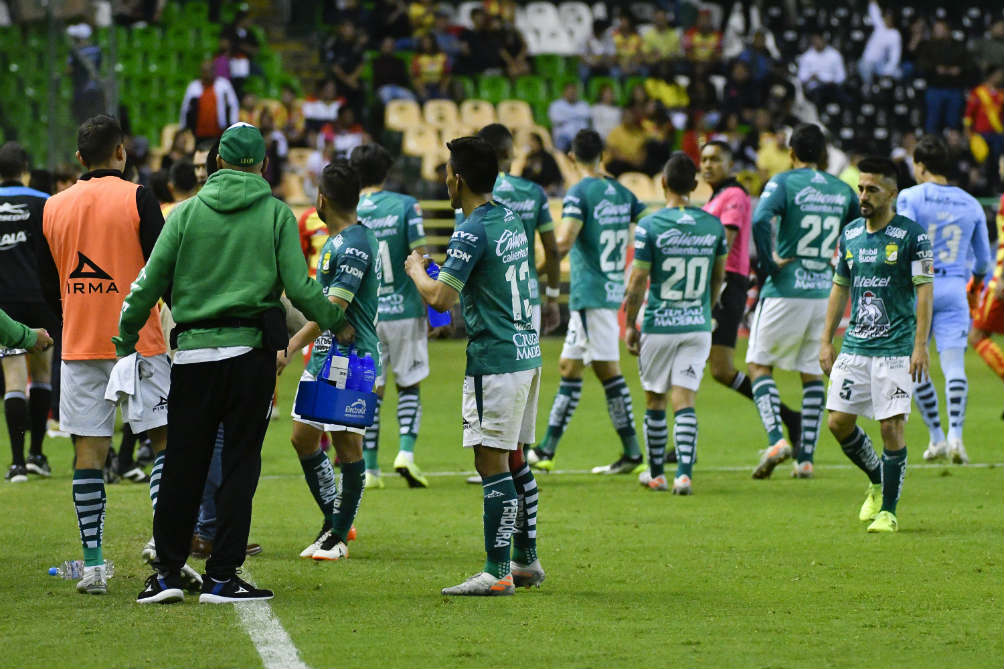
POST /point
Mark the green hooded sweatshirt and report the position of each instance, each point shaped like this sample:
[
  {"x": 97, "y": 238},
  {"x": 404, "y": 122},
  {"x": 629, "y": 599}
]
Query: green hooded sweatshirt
[
  {"x": 15, "y": 334},
  {"x": 228, "y": 252}
]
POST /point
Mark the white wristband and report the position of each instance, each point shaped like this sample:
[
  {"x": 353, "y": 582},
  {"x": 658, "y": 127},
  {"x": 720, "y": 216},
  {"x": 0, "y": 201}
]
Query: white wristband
[{"x": 553, "y": 293}]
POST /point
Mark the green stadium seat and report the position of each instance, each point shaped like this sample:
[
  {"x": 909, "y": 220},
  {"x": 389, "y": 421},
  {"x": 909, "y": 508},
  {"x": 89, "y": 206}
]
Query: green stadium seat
[
  {"x": 596, "y": 84},
  {"x": 146, "y": 39},
  {"x": 494, "y": 89},
  {"x": 465, "y": 87},
  {"x": 629, "y": 85},
  {"x": 195, "y": 13},
  {"x": 549, "y": 65},
  {"x": 532, "y": 89},
  {"x": 558, "y": 85},
  {"x": 540, "y": 114}
]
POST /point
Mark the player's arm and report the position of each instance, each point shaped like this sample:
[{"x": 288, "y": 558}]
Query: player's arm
[
  {"x": 439, "y": 294},
  {"x": 771, "y": 206},
  {"x": 305, "y": 293},
  {"x": 634, "y": 291},
  {"x": 463, "y": 253},
  {"x": 572, "y": 218},
  {"x": 550, "y": 314},
  {"x": 922, "y": 275},
  {"x": 18, "y": 335},
  {"x": 835, "y": 307}
]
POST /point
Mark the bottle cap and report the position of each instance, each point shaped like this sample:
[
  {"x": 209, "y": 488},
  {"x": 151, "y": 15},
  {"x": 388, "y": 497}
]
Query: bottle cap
[{"x": 53, "y": 571}]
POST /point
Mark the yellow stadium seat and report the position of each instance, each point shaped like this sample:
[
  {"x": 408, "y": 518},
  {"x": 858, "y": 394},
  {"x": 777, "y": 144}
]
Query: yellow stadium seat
[
  {"x": 639, "y": 184},
  {"x": 477, "y": 113},
  {"x": 521, "y": 135},
  {"x": 515, "y": 114},
  {"x": 451, "y": 133},
  {"x": 292, "y": 189},
  {"x": 402, "y": 114},
  {"x": 431, "y": 161},
  {"x": 419, "y": 140},
  {"x": 441, "y": 113}
]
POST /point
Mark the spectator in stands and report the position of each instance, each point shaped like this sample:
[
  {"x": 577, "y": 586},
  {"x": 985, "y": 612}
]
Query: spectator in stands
[
  {"x": 430, "y": 70},
  {"x": 988, "y": 51},
  {"x": 390, "y": 74},
  {"x": 344, "y": 54},
  {"x": 742, "y": 94},
  {"x": 347, "y": 133},
  {"x": 391, "y": 20},
  {"x": 983, "y": 118},
  {"x": 629, "y": 47},
  {"x": 514, "y": 53},
  {"x": 541, "y": 167},
  {"x": 942, "y": 62},
  {"x": 757, "y": 58},
  {"x": 182, "y": 145},
  {"x": 771, "y": 154},
  {"x": 568, "y": 115},
  {"x": 276, "y": 150},
  {"x": 249, "y": 109},
  {"x": 883, "y": 48},
  {"x": 64, "y": 176},
  {"x": 479, "y": 47},
  {"x": 244, "y": 46},
  {"x": 821, "y": 72},
  {"x": 161, "y": 189},
  {"x": 626, "y": 144},
  {"x": 336, "y": 13},
  {"x": 209, "y": 106},
  {"x": 221, "y": 62},
  {"x": 917, "y": 33},
  {"x": 322, "y": 155},
  {"x": 662, "y": 45},
  {"x": 289, "y": 116},
  {"x": 445, "y": 36},
  {"x": 703, "y": 44},
  {"x": 84, "y": 65},
  {"x": 324, "y": 108},
  {"x": 422, "y": 15},
  {"x": 606, "y": 113},
  {"x": 598, "y": 52}
]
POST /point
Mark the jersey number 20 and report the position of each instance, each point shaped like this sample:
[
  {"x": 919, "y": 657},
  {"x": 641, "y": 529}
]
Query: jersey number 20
[{"x": 693, "y": 272}]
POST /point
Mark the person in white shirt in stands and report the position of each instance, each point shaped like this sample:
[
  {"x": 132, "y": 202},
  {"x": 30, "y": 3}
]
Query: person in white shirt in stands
[
  {"x": 568, "y": 116},
  {"x": 884, "y": 46},
  {"x": 606, "y": 113},
  {"x": 821, "y": 72}
]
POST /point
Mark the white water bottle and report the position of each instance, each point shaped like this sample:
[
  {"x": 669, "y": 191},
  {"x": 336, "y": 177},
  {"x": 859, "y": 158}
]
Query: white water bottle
[{"x": 73, "y": 570}]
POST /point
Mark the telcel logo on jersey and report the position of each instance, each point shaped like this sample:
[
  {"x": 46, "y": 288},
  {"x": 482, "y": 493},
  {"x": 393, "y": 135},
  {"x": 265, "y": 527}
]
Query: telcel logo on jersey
[
  {"x": 511, "y": 246},
  {"x": 871, "y": 281},
  {"x": 607, "y": 212},
  {"x": 527, "y": 345}
]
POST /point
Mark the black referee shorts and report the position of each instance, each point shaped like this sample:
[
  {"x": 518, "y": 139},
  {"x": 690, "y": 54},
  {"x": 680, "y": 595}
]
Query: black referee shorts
[{"x": 728, "y": 312}]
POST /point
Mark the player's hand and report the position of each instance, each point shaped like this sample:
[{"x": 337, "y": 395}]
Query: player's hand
[
  {"x": 779, "y": 261},
  {"x": 919, "y": 364},
  {"x": 43, "y": 341},
  {"x": 550, "y": 317},
  {"x": 281, "y": 360},
  {"x": 632, "y": 339},
  {"x": 415, "y": 264},
  {"x": 973, "y": 291},
  {"x": 826, "y": 357},
  {"x": 346, "y": 335}
]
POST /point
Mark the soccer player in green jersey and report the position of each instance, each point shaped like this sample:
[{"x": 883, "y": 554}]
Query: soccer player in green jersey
[
  {"x": 487, "y": 268},
  {"x": 396, "y": 221},
  {"x": 596, "y": 220},
  {"x": 886, "y": 267},
  {"x": 683, "y": 250},
  {"x": 811, "y": 207},
  {"x": 350, "y": 276}
]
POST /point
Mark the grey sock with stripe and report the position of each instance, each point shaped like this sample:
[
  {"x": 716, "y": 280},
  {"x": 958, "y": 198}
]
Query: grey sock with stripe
[
  {"x": 89, "y": 502},
  {"x": 926, "y": 396},
  {"x": 656, "y": 436},
  {"x": 158, "y": 468},
  {"x": 768, "y": 403},
  {"x": 813, "y": 397},
  {"x": 565, "y": 402},
  {"x": 524, "y": 549},
  {"x": 685, "y": 438},
  {"x": 409, "y": 418}
]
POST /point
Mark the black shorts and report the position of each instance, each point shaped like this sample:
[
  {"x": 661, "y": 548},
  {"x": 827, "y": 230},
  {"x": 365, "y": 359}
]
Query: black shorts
[
  {"x": 728, "y": 312},
  {"x": 32, "y": 314}
]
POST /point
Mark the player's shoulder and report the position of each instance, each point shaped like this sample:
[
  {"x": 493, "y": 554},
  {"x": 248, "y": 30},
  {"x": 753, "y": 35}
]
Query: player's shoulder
[
  {"x": 853, "y": 229},
  {"x": 903, "y": 227}
]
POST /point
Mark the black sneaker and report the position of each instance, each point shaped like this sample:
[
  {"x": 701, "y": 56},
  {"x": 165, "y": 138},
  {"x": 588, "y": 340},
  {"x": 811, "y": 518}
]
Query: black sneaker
[
  {"x": 111, "y": 474},
  {"x": 623, "y": 465},
  {"x": 39, "y": 464},
  {"x": 136, "y": 475},
  {"x": 144, "y": 455},
  {"x": 161, "y": 590},
  {"x": 234, "y": 590},
  {"x": 16, "y": 474}
]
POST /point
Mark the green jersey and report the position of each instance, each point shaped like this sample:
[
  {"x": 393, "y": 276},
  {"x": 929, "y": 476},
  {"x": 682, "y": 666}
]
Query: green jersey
[
  {"x": 348, "y": 270},
  {"x": 606, "y": 210},
  {"x": 487, "y": 262},
  {"x": 881, "y": 269},
  {"x": 396, "y": 221},
  {"x": 679, "y": 247},
  {"x": 811, "y": 209}
]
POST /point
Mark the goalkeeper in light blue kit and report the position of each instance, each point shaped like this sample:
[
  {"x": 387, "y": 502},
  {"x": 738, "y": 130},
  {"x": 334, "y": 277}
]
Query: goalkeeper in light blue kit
[{"x": 957, "y": 227}]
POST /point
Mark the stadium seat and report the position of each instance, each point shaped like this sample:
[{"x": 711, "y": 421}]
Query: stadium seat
[
  {"x": 495, "y": 89},
  {"x": 419, "y": 140},
  {"x": 402, "y": 114},
  {"x": 515, "y": 114},
  {"x": 532, "y": 89},
  {"x": 639, "y": 184},
  {"x": 542, "y": 14},
  {"x": 292, "y": 187},
  {"x": 597, "y": 84},
  {"x": 549, "y": 65},
  {"x": 521, "y": 135},
  {"x": 569, "y": 172},
  {"x": 555, "y": 39},
  {"x": 477, "y": 113},
  {"x": 432, "y": 160},
  {"x": 297, "y": 159},
  {"x": 464, "y": 87},
  {"x": 575, "y": 12},
  {"x": 441, "y": 113}
]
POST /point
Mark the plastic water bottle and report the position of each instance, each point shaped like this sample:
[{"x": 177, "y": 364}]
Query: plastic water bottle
[
  {"x": 368, "y": 367},
  {"x": 335, "y": 368},
  {"x": 437, "y": 319},
  {"x": 73, "y": 570},
  {"x": 432, "y": 269},
  {"x": 354, "y": 378}
]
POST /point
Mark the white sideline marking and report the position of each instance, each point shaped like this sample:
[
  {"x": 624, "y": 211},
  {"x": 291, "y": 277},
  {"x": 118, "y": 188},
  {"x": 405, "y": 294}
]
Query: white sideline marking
[{"x": 268, "y": 635}]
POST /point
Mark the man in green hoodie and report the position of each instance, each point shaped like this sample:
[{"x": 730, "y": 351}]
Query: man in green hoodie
[{"x": 226, "y": 255}]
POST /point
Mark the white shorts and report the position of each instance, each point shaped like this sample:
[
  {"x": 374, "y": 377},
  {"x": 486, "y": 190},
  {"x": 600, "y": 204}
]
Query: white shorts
[
  {"x": 83, "y": 409},
  {"x": 323, "y": 427},
  {"x": 673, "y": 360},
  {"x": 500, "y": 410},
  {"x": 786, "y": 332},
  {"x": 873, "y": 387},
  {"x": 404, "y": 347},
  {"x": 594, "y": 337}
]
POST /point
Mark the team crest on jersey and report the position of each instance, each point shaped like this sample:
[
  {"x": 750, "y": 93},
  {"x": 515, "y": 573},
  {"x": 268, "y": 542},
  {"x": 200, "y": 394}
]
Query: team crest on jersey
[
  {"x": 891, "y": 253},
  {"x": 610, "y": 190},
  {"x": 326, "y": 261},
  {"x": 871, "y": 318},
  {"x": 849, "y": 259}
]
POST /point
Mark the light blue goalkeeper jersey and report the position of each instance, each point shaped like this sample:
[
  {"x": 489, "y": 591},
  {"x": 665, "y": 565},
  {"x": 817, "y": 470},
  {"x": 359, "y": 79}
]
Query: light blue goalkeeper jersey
[{"x": 954, "y": 222}]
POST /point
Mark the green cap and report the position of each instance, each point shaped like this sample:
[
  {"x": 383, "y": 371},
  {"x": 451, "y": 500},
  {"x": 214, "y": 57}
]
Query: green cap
[{"x": 242, "y": 145}]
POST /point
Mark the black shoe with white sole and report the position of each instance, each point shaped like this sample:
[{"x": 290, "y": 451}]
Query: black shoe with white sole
[
  {"x": 234, "y": 590},
  {"x": 38, "y": 464},
  {"x": 161, "y": 590},
  {"x": 16, "y": 474}
]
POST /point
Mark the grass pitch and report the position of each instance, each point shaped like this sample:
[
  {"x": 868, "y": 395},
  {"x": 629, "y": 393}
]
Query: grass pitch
[{"x": 745, "y": 573}]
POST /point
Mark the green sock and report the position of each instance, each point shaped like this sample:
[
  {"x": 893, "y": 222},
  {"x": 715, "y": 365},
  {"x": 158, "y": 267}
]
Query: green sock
[
  {"x": 893, "y": 472},
  {"x": 656, "y": 435},
  {"x": 409, "y": 418},
  {"x": 500, "y": 511},
  {"x": 89, "y": 500},
  {"x": 858, "y": 447},
  {"x": 685, "y": 438},
  {"x": 371, "y": 441},
  {"x": 347, "y": 500},
  {"x": 524, "y": 541},
  {"x": 767, "y": 401},
  {"x": 565, "y": 402},
  {"x": 622, "y": 414},
  {"x": 320, "y": 477},
  {"x": 406, "y": 443}
]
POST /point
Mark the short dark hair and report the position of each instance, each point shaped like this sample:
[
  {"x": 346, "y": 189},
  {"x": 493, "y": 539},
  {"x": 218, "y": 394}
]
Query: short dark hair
[
  {"x": 933, "y": 152},
  {"x": 183, "y": 175},
  {"x": 371, "y": 163},
  {"x": 158, "y": 184},
  {"x": 474, "y": 159},
  {"x": 496, "y": 135},
  {"x": 723, "y": 146},
  {"x": 97, "y": 138},
  {"x": 879, "y": 165},
  {"x": 587, "y": 145},
  {"x": 213, "y": 152},
  {"x": 340, "y": 185},
  {"x": 13, "y": 160},
  {"x": 680, "y": 172},
  {"x": 808, "y": 143},
  {"x": 41, "y": 180}
]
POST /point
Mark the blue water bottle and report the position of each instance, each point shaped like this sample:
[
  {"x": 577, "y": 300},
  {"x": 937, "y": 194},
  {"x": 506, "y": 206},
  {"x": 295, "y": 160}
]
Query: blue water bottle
[
  {"x": 368, "y": 366},
  {"x": 437, "y": 319},
  {"x": 354, "y": 378}
]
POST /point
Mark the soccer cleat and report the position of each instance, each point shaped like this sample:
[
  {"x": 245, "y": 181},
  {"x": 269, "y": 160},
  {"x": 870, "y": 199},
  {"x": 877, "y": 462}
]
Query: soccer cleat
[
  {"x": 352, "y": 534},
  {"x": 309, "y": 551},
  {"x": 801, "y": 470},
  {"x": 38, "y": 464},
  {"x": 476, "y": 479},
  {"x": 149, "y": 552},
  {"x": 234, "y": 590},
  {"x": 540, "y": 459},
  {"x": 681, "y": 485},
  {"x": 162, "y": 590},
  {"x": 373, "y": 481},
  {"x": 936, "y": 451},
  {"x": 331, "y": 549},
  {"x": 191, "y": 580},
  {"x": 957, "y": 452},
  {"x": 407, "y": 468},
  {"x": 622, "y": 465},
  {"x": 653, "y": 483},
  {"x": 527, "y": 575},
  {"x": 872, "y": 504},
  {"x": 884, "y": 522},
  {"x": 94, "y": 582},
  {"x": 770, "y": 458},
  {"x": 136, "y": 475},
  {"x": 482, "y": 585},
  {"x": 17, "y": 474}
]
